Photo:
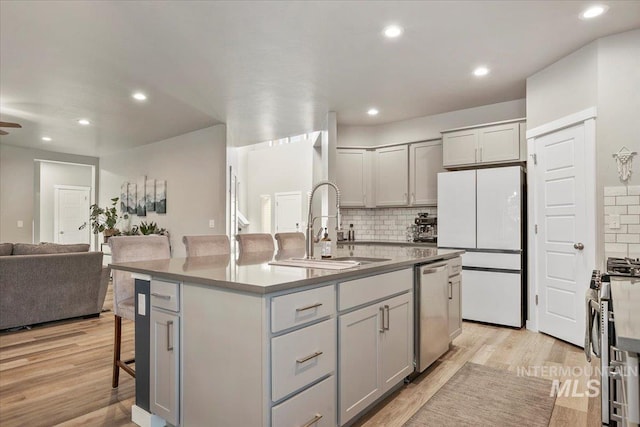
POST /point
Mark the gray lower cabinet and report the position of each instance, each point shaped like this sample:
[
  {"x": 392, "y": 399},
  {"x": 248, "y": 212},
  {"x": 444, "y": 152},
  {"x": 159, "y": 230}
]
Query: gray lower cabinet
[
  {"x": 375, "y": 341},
  {"x": 164, "y": 363}
]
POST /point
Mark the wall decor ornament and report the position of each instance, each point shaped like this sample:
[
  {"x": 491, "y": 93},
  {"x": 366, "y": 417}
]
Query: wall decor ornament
[
  {"x": 145, "y": 195},
  {"x": 624, "y": 160}
]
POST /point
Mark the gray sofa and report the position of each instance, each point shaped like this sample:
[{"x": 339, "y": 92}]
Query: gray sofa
[{"x": 46, "y": 282}]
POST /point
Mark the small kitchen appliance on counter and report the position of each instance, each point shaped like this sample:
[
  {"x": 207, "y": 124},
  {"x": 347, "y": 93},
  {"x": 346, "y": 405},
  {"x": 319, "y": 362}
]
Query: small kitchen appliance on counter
[
  {"x": 426, "y": 228},
  {"x": 619, "y": 381}
]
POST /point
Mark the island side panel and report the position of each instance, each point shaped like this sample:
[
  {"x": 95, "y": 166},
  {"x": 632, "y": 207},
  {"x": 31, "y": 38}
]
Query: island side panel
[{"x": 223, "y": 358}]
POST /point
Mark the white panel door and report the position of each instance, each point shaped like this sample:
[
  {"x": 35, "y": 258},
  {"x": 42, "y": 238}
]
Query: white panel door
[
  {"x": 457, "y": 209},
  {"x": 288, "y": 212},
  {"x": 562, "y": 269},
  {"x": 499, "y": 213},
  {"x": 425, "y": 163},
  {"x": 71, "y": 213}
]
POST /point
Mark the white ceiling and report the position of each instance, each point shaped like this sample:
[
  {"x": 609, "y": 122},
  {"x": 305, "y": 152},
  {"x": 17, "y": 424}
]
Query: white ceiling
[{"x": 267, "y": 69}]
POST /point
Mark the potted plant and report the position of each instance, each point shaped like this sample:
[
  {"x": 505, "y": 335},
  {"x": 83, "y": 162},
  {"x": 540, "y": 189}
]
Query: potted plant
[
  {"x": 147, "y": 228},
  {"x": 104, "y": 220}
]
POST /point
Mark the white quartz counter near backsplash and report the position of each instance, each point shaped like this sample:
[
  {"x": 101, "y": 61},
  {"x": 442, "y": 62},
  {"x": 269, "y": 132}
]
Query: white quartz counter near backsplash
[{"x": 382, "y": 223}]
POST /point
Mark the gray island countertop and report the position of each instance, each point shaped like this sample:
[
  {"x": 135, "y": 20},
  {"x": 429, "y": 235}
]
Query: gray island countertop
[
  {"x": 254, "y": 274},
  {"x": 625, "y": 293}
]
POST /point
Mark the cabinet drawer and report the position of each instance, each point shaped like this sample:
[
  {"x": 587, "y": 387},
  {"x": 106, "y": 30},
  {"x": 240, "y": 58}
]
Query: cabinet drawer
[
  {"x": 165, "y": 295},
  {"x": 361, "y": 291},
  {"x": 313, "y": 407},
  {"x": 301, "y": 357},
  {"x": 302, "y": 307},
  {"x": 455, "y": 266}
]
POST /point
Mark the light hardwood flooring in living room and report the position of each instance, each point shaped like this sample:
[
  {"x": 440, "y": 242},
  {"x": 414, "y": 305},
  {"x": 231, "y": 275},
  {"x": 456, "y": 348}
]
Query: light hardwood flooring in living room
[{"x": 60, "y": 374}]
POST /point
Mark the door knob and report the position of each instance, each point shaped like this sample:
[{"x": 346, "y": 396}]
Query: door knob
[
  {"x": 62, "y": 232},
  {"x": 578, "y": 246}
]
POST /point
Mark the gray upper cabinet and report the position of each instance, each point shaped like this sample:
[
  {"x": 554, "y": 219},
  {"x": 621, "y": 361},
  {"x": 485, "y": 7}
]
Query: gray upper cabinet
[
  {"x": 498, "y": 143},
  {"x": 391, "y": 176},
  {"x": 353, "y": 177},
  {"x": 425, "y": 162}
]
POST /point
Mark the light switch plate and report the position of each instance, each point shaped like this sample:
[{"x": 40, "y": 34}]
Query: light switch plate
[
  {"x": 212, "y": 223},
  {"x": 20, "y": 224},
  {"x": 614, "y": 221}
]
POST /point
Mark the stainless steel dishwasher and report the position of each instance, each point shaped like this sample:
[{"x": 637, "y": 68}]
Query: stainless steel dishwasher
[{"x": 431, "y": 330}]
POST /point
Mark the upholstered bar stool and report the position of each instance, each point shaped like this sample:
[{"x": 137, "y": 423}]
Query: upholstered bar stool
[
  {"x": 290, "y": 241},
  {"x": 255, "y": 242},
  {"x": 130, "y": 249},
  {"x": 206, "y": 245}
]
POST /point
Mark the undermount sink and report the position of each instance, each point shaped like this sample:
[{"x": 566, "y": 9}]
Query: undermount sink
[{"x": 360, "y": 259}]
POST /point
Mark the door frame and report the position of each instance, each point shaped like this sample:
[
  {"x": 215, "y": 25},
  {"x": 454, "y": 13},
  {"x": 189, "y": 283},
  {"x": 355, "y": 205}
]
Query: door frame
[
  {"x": 56, "y": 205},
  {"x": 586, "y": 117},
  {"x": 275, "y": 207}
]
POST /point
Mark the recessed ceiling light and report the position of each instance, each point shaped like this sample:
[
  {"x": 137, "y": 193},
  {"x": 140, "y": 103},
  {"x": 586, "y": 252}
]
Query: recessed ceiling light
[
  {"x": 393, "y": 31},
  {"x": 139, "y": 96},
  {"x": 84, "y": 122},
  {"x": 593, "y": 11},
  {"x": 481, "y": 71},
  {"x": 372, "y": 112},
  {"x": 46, "y": 138}
]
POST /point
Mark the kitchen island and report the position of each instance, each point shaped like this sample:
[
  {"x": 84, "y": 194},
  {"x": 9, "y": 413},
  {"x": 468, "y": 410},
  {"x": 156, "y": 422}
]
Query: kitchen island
[{"x": 243, "y": 342}]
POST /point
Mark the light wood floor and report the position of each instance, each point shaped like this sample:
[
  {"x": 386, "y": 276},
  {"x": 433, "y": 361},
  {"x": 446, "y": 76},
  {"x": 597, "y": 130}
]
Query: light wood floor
[{"x": 61, "y": 374}]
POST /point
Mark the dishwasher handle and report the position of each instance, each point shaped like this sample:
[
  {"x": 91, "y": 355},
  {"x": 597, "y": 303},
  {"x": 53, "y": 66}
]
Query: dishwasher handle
[{"x": 433, "y": 270}]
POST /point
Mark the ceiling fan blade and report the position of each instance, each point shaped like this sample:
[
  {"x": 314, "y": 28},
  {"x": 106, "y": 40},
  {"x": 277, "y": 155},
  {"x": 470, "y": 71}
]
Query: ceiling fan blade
[
  {"x": 9, "y": 125},
  {"x": 3, "y": 132}
]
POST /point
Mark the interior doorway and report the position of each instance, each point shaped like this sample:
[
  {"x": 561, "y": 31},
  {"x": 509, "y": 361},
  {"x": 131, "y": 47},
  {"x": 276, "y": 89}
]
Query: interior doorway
[
  {"x": 71, "y": 214},
  {"x": 562, "y": 224},
  {"x": 288, "y": 212}
]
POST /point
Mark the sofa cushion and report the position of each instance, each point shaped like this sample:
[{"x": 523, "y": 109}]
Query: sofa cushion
[
  {"x": 6, "y": 249},
  {"x": 48, "y": 248}
]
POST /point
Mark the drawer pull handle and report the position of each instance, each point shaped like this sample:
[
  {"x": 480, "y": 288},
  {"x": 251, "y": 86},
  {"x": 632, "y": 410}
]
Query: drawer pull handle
[
  {"x": 313, "y": 421},
  {"x": 169, "y": 340},
  {"x": 450, "y": 290},
  {"x": 382, "y": 319},
  {"x": 386, "y": 307},
  {"x": 161, "y": 296},
  {"x": 309, "y": 357},
  {"x": 309, "y": 307}
]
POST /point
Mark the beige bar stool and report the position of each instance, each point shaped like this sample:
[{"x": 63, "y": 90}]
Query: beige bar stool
[
  {"x": 206, "y": 245},
  {"x": 129, "y": 249}
]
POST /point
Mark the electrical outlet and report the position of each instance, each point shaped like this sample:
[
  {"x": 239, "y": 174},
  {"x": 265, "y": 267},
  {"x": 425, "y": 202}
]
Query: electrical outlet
[
  {"x": 212, "y": 223},
  {"x": 20, "y": 224},
  {"x": 614, "y": 221}
]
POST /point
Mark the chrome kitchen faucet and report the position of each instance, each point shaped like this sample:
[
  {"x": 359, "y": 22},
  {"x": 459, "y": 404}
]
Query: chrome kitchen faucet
[{"x": 311, "y": 219}]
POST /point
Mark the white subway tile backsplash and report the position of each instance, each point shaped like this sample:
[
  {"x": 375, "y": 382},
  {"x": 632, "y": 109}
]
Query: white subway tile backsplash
[
  {"x": 633, "y": 210},
  {"x": 609, "y": 201},
  {"x": 627, "y": 200},
  {"x": 609, "y": 238},
  {"x": 382, "y": 223},
  {"x": 615, "y": 247},
  {"x": 633, "y": 228},
  {"x": 622, "y": 229},
  {"x": 633, "y": 190},
  {"x": 629, "y": 219},
  {"x": 628, "y": 238},
  {"x": 615, "y": 191},
  {"x": 608, "y": 210},
  {"x": 634, "y": 251}
]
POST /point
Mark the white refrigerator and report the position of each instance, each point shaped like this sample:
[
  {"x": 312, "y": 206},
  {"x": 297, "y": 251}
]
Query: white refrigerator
[{"x": 482, "y": 212}]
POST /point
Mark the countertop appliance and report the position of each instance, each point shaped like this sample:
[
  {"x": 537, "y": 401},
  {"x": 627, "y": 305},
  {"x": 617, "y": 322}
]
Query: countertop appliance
[
  {"x": 619, "y": 379},
  {"x": 431, "y": 298},
  {"x": 426, "y": 228},
  {"x": 483, "y": 212}
]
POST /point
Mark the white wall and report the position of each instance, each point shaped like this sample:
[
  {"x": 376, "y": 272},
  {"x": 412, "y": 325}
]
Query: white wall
[
  {"x": 563, "y": 88},
  {"x": 194, "y": 166},
  {"x": 603, "y": 74},
  {"x": 52, "y": 174},
  {"x": 277, "y": 169},
  {"x": 17, "y": 190},
  {"x": 427, "y": 127}
]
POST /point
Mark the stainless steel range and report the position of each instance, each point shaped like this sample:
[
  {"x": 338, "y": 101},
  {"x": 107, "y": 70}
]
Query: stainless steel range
[{"x": 619, "y": 384}]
